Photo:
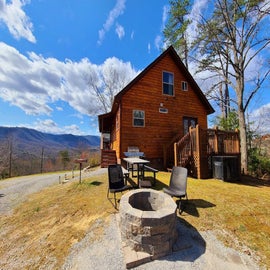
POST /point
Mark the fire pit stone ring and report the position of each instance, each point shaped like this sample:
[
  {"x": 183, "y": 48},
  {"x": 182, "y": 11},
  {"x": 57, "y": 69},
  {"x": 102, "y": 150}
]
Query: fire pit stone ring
[{"x": 148, "y": 221}]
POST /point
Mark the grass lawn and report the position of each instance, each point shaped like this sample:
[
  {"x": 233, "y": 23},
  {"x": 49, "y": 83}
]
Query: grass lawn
[{"x": 42, "y": 230}]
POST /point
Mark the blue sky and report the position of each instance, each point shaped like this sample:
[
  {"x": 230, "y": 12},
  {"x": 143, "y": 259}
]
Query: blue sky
[{"x": 47, "y": 46}]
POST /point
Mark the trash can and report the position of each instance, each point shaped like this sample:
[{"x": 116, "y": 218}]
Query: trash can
[
  {"x": 217, "y": 169},
  {"x": 226, "y": 168}
]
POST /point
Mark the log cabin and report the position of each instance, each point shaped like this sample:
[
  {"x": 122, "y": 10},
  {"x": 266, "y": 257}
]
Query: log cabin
[{"x": 154, "y": 111}]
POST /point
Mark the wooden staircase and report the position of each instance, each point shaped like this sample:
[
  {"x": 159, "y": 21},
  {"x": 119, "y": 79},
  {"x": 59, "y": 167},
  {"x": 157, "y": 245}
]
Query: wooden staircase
[{"x": 108, "y": 157}]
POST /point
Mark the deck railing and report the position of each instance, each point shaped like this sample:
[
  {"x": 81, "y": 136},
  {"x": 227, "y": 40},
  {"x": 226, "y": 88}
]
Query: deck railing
[
  {"x": 196, "y": 148},
  {"x": 222, "y": 142}
]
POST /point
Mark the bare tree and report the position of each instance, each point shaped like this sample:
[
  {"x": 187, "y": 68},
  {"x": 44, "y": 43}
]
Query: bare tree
[
  {"x": 234, "y": 35},
  {"x": 106, "y": 82}
]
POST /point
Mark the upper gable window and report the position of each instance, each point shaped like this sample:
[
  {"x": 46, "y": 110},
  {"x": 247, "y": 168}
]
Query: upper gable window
[
  {"x": 138, "y": 118},
  {"x": 184, "y": 86},
  {"x": 167, "y": 80}
]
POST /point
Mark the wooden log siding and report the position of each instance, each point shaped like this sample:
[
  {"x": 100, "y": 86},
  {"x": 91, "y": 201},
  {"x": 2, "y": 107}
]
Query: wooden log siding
[{"x": 159, "y": 128}]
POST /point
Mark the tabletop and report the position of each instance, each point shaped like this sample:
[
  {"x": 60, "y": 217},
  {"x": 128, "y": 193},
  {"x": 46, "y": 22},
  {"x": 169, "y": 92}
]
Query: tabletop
[{"x": 136, "y": 160}]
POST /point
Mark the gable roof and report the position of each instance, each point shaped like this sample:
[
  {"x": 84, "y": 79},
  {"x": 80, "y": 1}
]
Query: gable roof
[{"x": 170, "y": 51}]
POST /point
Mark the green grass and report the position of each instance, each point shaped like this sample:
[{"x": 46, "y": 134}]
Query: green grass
[
  {"x": 51, "y": 221},
  {"x": 240, "y": 209}
]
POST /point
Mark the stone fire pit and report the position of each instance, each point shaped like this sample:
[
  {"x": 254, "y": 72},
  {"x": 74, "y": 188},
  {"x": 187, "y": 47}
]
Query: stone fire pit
[{"x": 148, "y": 222}]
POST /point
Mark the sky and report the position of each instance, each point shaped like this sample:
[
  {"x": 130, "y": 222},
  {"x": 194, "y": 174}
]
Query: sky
[{"x": 48, "y": 48}]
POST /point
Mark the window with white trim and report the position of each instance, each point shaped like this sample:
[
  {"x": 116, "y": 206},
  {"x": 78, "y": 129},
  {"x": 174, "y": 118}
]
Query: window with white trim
[
  {"x": 184, "y": 86},
  {"x": 138, "y": 118},
  {"x": 168, "y": 81}
]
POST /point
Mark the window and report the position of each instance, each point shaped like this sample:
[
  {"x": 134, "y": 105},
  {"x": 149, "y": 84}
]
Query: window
[
  {"x": 167, "y": 83},
  {"x": 184, "y": 86},
  {"x": 189, "y": 122},
  {"x": 138, "y": 118}
]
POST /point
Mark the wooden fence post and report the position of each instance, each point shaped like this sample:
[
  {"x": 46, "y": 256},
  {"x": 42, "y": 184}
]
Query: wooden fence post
[
  {"x": 216, "y": 140},
  {"x": 175, "y": 154},
  {"x": 237, "y": 143},
  {"x": 198, "y": 151}
]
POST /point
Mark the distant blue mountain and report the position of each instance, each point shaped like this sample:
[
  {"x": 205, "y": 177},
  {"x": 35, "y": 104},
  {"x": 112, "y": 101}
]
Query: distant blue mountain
[{"x": 25, "y": 139}]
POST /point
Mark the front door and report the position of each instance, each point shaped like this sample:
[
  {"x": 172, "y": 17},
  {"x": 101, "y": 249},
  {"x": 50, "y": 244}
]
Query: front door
[{"x": 189, "y": 122}]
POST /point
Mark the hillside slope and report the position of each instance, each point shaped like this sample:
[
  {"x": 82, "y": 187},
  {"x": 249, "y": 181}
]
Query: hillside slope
[{"x": 26, "y": 140}]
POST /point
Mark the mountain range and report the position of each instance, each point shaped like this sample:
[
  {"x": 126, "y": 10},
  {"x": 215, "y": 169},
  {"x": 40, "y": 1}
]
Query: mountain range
[{"x": 30, "y": 141}]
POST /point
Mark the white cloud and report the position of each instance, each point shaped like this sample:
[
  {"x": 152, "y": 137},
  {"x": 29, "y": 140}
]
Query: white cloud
[
  {"x": 78, "y": 115},
  {"x": 158, "y": 39},
  {"x": 132, "y": 35},
  {"x": 164, "y": 16},
  {"x": 17, "y": 22},
  {"x": 120, "y": 31},
  {"x": 49, "y": 126},
  {"x": 149, "y": 48},
  {"x": 195, "y": 17},
  {"x": 158, "y": 42},
  {"x": 60, "y": 109},
  {"x": 33, "y": 83},
  {"x": 260, "y": 119},
  {"x": 116, "y": 74},
  {"x": 113, "y": 15}
]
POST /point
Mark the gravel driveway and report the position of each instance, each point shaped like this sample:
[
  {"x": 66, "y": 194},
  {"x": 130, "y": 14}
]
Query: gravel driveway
[{"x": 15, "y": 190}]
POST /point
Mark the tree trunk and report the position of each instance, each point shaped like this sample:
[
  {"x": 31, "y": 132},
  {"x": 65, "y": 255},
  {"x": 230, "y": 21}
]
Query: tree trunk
[
  {"x": 243, "y": 140},
  {"x": 242, "y": 122}
]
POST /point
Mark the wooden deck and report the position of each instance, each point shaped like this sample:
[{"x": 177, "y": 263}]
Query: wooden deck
[{"x": 196, "y": 149}]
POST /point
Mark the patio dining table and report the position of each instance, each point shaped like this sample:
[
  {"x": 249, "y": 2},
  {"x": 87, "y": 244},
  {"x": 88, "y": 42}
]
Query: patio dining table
[{"x": 131, "y": 161}]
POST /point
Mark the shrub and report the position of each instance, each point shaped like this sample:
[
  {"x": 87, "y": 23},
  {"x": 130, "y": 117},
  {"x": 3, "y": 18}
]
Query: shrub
[{"x": 258, "y": 164}]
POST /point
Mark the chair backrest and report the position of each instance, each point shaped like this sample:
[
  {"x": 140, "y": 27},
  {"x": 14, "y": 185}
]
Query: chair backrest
[
  {"x": 178, "y": 180},
  {"x": 116, "y": 177}
]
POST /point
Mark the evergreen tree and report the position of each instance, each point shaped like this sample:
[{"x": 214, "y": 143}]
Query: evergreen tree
[{"x": 175, "y": 31}]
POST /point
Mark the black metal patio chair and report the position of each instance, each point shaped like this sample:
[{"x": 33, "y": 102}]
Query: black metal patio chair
[
  {"x": 178, "y": 185},
  {"x": 116, "y": 181}
]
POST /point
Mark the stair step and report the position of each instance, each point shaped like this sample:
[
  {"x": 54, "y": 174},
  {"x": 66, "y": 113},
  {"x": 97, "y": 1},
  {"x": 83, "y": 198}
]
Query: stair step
[{"x": 108, "y": 157}]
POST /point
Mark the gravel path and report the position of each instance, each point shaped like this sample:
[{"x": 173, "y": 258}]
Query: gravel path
[
  {"x": 200, "y": 251},
  {"x": 15, "y": 190}
]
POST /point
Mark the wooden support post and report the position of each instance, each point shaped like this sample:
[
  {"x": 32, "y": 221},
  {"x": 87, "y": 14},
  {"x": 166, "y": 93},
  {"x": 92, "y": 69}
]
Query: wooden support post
[
  {"x": 198, "y": 150},
  {"x": 216, "y": 140},
  {"x": 80, "y": 161},
  {"x": 175, "y": 154},
  {"x": 237, "y": 143}
]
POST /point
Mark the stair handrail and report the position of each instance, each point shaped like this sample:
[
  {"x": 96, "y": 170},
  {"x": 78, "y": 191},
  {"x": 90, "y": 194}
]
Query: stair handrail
[
  {"x": 169, "y": 147},
  {"x": 183, "y": 141},
  {"x": 182, "y": 148}
]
